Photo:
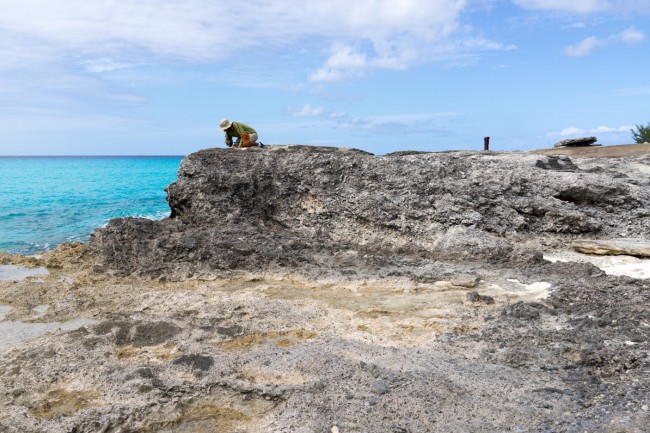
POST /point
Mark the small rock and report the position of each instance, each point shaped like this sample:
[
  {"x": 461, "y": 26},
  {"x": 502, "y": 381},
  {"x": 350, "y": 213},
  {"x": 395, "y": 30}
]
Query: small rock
[
  {"x": 644, "y": 407},
  {"x": 475, "y": 297},
  {"x": 374, "y": 401},
  {"x": 379, "y": 387},
  {"x": 335, "y": 429},
  {"x": 465, "y": 280}
]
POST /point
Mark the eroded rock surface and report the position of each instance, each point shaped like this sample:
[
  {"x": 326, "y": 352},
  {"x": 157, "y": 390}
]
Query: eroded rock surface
[
  {"x": 305, "y": 290},
  {"x": 314, "y": 210}
]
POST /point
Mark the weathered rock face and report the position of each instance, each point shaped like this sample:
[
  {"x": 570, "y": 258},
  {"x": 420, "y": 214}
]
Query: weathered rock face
[
  {"x": 439, "y": 312},
  {"x": 311, "y": 208}
]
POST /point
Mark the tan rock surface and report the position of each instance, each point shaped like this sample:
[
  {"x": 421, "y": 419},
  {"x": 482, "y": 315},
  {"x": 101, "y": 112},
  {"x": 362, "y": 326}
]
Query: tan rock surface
[{"x": 629, "y": 247}]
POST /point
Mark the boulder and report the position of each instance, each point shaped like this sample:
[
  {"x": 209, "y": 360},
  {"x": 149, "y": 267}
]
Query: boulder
[{"x": 576, "y": 142}]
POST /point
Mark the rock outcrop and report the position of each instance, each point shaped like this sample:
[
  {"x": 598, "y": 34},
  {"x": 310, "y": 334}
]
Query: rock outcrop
[
  {"x": 316, "y": 210},
  {"x": 297, "y": 289}
]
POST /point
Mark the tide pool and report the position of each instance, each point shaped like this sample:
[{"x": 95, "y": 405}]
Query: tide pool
[{"x": 45, "y": 201}]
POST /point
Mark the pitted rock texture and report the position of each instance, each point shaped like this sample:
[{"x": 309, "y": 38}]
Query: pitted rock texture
[
  {"x": 311, "y": 290},
  {"x": 317, "y": 209}
]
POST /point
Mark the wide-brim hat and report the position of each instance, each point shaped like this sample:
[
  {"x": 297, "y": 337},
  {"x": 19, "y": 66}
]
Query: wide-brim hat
[{"x": 225, "y": 124}]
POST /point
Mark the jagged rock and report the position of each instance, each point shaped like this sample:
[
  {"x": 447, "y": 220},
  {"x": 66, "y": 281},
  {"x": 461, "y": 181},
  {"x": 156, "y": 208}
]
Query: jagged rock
[
  {"x": 630, "y": 247},
  {"x": 576, "y": 142},
  {"x": 475, "y": 297},
  {"x": 314, "y": 209},
  {"x": 384, "y": 341}
]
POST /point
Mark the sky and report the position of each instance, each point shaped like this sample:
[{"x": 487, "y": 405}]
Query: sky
[{"x": 154, "y": 77}]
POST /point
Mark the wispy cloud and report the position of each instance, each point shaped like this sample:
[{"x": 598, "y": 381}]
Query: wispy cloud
[
  {"x": 107, "y": 64},
  {"x": 629, "y": 36},
  {"x": 577, "y": 6},
  {"x": 586, "y": 7},
  {"x": 574, "y": 131},
  {"x": 307, "y": 111},
  {"x": 634, "y": 91},
  {"x": 353, "y": 36},
  {"x": 398, "y": 124}
]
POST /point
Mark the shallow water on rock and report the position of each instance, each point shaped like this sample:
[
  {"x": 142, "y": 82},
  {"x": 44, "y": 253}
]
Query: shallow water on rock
[
  {"x": 16, "y": 273},
  {"x": 13, "y": 332}
]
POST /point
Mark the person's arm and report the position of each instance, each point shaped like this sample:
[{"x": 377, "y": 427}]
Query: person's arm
[{"x": 228, "y": 140}]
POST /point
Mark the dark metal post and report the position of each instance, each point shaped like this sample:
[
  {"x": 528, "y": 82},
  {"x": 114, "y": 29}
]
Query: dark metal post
[{"x": 486, "y": 144}]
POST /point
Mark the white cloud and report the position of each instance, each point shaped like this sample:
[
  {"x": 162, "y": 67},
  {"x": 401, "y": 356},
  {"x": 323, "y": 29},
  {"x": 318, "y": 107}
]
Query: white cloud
[
  {"x": 417, "y": 123},
  {"x": 307, "y": 111},
  {"x": 106, "y": 64},
  {"x": 584, "y": 47},
  {"x": 580, "y": 6},
  {"x": 630, "y": 36},
  {"x": 573, "y": 131},
  {"x": 607, "y": 129},
  {"x": 361, "y": 35},
  {"x": 586, "y": 6}
]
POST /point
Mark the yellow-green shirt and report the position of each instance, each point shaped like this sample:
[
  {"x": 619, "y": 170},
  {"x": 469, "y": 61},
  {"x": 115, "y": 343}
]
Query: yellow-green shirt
[{"x": 237, "y": 129}]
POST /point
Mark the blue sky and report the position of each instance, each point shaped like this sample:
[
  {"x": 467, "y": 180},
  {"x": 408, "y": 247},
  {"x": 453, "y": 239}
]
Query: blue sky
[{"x": 142, "y": 77}]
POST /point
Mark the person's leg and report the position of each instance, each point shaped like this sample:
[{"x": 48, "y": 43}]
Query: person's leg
[{"x": 249, "y": 140}]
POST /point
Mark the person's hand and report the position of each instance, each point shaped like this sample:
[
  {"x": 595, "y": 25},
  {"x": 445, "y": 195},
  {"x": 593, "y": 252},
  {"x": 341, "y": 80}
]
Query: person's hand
[{"x": 228, "y": 142}]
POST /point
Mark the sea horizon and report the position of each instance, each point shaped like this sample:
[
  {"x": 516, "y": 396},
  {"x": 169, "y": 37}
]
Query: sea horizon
[{"x": 92, "y": 156}]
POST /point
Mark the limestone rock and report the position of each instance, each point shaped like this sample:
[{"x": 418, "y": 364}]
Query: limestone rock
[
  {"x": 630, "y": 247},
  {"x": 576, "y": 142},
  {"x": 315, "y": 210}
]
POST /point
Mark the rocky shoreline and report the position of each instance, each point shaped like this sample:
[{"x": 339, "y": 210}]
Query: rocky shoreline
[{"x": 301, "y": 289}]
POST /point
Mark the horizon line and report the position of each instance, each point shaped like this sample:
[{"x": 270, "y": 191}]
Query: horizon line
[{"x": 91, "y": 156}]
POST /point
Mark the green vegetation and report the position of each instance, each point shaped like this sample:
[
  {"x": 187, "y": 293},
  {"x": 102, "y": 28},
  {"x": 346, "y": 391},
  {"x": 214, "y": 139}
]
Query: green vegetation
[{"x": 642, "y": 133}]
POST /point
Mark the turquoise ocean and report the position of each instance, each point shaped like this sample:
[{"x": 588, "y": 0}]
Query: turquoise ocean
[{"x": 45, "y": 201}]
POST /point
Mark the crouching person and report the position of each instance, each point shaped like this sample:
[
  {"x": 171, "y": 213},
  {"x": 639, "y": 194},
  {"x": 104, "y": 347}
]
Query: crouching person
[{"x": 245, "y": 135}]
